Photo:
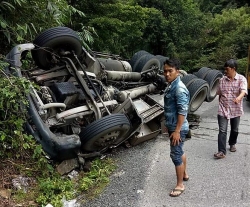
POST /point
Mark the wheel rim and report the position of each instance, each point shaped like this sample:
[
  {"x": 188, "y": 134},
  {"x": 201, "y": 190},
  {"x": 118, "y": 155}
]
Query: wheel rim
[
  {"x": 106, "y": 132},
  {"x": 107, "y": 139}
]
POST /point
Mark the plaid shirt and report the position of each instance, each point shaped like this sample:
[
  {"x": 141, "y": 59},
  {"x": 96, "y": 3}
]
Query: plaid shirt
[{"x": 228, "y": 90}]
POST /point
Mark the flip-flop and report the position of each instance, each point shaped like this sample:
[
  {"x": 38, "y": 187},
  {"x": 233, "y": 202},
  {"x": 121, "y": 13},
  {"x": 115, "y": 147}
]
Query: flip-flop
[
  {"x": 176, "y": 190},
  {"x": 186, "y": 179}
]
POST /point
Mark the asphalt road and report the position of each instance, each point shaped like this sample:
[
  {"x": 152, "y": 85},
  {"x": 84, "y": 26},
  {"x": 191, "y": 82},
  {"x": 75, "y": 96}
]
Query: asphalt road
[{"x": 146, "y": 174}]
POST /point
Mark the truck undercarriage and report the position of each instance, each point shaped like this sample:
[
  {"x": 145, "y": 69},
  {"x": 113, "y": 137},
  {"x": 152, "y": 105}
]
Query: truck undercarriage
[{"x": 82, "y": 103}]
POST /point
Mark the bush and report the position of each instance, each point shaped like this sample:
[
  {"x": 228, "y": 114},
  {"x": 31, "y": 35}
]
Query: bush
[
  {"x": 13, "y": 104},
  {"x": 21, "y": 155}
]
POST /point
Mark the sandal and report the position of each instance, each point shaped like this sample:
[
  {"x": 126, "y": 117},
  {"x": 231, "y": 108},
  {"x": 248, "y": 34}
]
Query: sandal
[{"x": 176, "y": 190}]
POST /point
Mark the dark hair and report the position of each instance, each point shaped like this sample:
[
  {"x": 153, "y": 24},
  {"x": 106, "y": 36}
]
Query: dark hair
[
  {"x": 175, "y": 63},
  {"x": 231, "y": 64}
]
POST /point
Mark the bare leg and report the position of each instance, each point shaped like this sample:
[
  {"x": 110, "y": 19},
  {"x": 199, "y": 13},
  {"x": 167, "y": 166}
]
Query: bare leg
[
  {"x": 179, "y": 174},
  {"x": 184, "y": 160}
]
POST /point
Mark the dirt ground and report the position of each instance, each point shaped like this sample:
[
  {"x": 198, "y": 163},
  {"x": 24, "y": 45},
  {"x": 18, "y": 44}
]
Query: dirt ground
[{"x": 8, "y": 172}]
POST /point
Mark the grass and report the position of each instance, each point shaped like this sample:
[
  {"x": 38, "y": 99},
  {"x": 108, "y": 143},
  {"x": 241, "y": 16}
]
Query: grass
[
  {"x": 22, "y": 157},
  {"x": 54, "y": 188}
]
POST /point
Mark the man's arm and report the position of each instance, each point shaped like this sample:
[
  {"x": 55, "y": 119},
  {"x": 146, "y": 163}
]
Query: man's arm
[
  {"x": 243, "y": 90},
  {"x": 180, "y": 120},
  {"x": 175, "y": 136},
  {"x": 240, "y": 97}
]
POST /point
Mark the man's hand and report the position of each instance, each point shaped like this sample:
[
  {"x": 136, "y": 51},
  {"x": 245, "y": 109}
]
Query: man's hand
[
  {"x": 237, "y": 100},
  {"x": 240, "y": 97},
  {"x": 175, "y": 138}
]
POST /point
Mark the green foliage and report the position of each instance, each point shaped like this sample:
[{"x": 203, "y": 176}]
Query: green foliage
[
  {"x": 242, "y": 66},
  {"x": 17, "y": 146},
  {"x": 15, "y": 143},
  {"x": 54, "y": 189},
  {"x": 120, "y": 29},
  {"x": 177, "y": 34},
  {"x": 100, "y": 170},
  {"x": 215, "y": 6},
  {"x": 23, "y": 28},
  {"x": 13, "y": 104},
  {"x": 217, "y": 58},
  {"x": 155, "y": 36},
  {"x": 226, "y": 36},
  {"x": 170, "y": 28}
]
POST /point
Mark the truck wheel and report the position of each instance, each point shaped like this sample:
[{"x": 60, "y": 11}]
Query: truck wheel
[
  {"x": 162, "y": 59},
  {"x": 136, "y": 56},
  {"x": 153, "y": 62},
  {"x": 141, "y": 62},
  {"x": 212, "y": 78},
  {"x": 203, "y": 72},
  {"x": 188, "y": 79},
  {"x": 198, "y": 92},
  {"x": 105, "y": 132},
  {"x": 52, "y": 42},
  {"x": 182, "y": 73}
]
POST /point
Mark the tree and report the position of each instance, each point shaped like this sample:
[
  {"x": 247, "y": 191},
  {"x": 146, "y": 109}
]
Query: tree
[
  {"x": 18, "y": 23},
  {"x": 216, "y": 7},
  {"x": 118, "y": 24},
  {"x": 227, "y": 36},
  {"x": 183, "y": 26}
]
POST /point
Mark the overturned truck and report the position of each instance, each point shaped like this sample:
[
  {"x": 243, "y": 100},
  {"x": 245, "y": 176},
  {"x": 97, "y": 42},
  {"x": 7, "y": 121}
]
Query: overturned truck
[{"x": 84, "y": 102}]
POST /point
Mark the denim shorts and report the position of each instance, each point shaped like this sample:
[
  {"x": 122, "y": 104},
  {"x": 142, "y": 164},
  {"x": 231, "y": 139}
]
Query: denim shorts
[{"x": 176, "y": 151}]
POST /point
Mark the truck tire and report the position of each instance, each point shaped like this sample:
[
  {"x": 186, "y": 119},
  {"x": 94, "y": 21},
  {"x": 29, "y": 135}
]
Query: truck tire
[
  {"x": 212, "y": 78},
  {"x": 105, "y": 132},
  {"x": 137, "y": 56},
  {"x": 198, "y": 92},
  {"x": 52, "y": 41},
  {"x": 202, "y": 72},
  {"x": 141, "y": 62},
  {"x": 188, "y": 79},
  {"x": 153, "y": 62},
  {"x": 162, "y": 59},
  {"x": 182, "y": 73}
]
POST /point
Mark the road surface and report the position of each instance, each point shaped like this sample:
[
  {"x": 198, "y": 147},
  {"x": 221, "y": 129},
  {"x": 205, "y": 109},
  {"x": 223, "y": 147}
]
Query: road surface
[{"x": 146, "y": 174}]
